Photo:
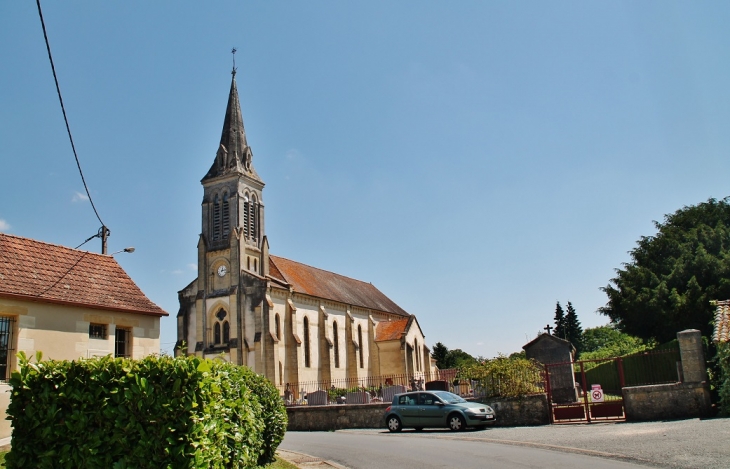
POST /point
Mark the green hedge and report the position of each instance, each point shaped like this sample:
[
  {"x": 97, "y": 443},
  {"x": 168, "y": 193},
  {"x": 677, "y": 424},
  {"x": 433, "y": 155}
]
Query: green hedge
[{"x": 158, "y": 412}]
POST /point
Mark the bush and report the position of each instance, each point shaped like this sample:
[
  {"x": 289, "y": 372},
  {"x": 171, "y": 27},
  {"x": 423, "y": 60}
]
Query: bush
[
  {"x": 158, "y": 412},
  {"x": 505, "y": 376}
]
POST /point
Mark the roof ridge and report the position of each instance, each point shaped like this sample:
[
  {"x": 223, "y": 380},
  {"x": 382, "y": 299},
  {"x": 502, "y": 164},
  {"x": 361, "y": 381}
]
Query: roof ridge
[
  {"x": 320, "y": 269},
  {"x": 104, "y": 256}
]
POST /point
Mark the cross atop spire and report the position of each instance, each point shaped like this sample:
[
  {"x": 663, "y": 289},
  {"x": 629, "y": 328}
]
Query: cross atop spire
[{"x": 233, "y": 72}]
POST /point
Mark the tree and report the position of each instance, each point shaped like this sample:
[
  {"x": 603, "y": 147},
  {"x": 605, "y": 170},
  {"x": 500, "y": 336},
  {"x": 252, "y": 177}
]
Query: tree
[
  {"x": 607, "y": 341},
  {"x": 573, "y": 330},
  {"x": 559, "y": 321},
  {"x": 440, "y": 353},
  {"x": 446, "y": 358},
  {"x": 672, "y": 277}
]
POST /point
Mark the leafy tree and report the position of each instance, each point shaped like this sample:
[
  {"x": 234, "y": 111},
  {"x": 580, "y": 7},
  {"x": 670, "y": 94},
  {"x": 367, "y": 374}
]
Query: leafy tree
[
  {"x": 672, "y": 277},
  {"x": 607, "y": 341},
  {"x": 461, "y": 358},
  {"x": 573, "y": 330},
  {"x": 446, "y": 358},
  {"x": 559, "y": 321},
  {"x": 440, "y": 353}
]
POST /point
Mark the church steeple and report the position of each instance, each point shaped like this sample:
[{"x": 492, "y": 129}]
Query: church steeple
[{"x": 233, "y": 155}]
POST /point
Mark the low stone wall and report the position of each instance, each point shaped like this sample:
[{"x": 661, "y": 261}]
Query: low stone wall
[
  {"x": 336, "y": 417},
  {"x": 520, "y": 411},
  {"x": 667, "y": 401},
  {"x": 525, "y": 411}
]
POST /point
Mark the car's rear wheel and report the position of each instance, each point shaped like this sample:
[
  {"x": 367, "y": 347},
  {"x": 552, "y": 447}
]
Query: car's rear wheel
[
  {"x": 394, "y": 424},
  {"x": 457, "y": 423}
]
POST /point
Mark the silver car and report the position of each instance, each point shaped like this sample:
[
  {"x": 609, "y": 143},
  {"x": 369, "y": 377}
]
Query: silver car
[{"x": 424, "y": 409}]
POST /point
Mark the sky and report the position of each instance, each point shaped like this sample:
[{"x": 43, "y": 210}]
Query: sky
[{"x": 476, "y": 161}]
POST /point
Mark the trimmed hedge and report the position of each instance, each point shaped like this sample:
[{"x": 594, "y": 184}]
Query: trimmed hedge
[{"x": 158, "y": 412}]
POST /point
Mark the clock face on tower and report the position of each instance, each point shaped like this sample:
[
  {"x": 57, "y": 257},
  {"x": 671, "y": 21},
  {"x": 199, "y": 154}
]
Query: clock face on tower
[{"x": 222, "y": 271}]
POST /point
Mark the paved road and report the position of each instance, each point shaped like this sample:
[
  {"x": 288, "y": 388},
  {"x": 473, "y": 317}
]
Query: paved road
[{"x": 685, "y": 444}]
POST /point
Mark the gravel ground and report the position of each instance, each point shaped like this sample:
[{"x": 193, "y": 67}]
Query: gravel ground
[{"x": 682, "y": 444}]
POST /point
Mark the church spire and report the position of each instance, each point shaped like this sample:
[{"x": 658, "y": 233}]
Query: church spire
[{"x": 234, "y": 154}]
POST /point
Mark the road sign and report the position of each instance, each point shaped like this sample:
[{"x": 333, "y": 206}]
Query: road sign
[{"x": 596, "y": 393}]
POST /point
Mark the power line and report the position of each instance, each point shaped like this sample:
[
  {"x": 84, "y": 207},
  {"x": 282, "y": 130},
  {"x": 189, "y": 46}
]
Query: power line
[{"x": 65, "y": 119}]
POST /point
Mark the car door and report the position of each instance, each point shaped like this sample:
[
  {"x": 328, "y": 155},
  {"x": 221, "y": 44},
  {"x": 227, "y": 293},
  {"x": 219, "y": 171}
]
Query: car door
[
  {"x": 408, "y": 409},
  {"x": 429, "y": 410}
]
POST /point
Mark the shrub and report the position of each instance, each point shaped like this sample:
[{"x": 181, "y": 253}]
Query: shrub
[
  {"x": 158, "y": 412},
  {"x": 505, "y": 376}
]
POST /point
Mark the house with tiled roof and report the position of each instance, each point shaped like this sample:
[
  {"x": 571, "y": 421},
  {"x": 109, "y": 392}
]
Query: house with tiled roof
[
  {"x": 290, "y": 321},
  {"x": 68, "y": 304}
]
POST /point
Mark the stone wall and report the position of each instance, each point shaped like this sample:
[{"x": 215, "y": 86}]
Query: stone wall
[
  {"x": 519, "y": 412},
  {"x": 526, "y": 411},
  {"x": 336, "y": 417},
  {"x": 666, "y": 401}
]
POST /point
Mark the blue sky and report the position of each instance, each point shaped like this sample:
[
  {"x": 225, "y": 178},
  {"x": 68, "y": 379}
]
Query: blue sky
[{"x": 476, "y": 161}]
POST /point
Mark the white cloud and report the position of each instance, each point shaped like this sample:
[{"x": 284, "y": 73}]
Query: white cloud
[
  {"x": 193, "y": 266},
  {"x": 176, "y": 272},
  {"x": 4, "y": 226},
  {"x": 79, "y": 197}
]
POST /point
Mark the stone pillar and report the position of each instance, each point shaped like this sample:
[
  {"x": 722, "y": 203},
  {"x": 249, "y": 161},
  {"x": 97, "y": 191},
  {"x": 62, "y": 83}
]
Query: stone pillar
[{"x": 693, "y": 357}]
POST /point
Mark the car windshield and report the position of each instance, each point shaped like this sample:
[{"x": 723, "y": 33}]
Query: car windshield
[{"x": 449, "y": 398}]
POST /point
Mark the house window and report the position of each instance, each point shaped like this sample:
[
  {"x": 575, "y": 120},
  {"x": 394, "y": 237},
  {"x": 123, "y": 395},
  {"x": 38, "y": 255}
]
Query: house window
[
  {"x": 359, "y": 341},
  {"x": 122, "y": 343},
  {"x": 221, "y": 328},
  {"x": 306, "y": 343},
  {"x": 7, "y": 348},
  {"x": 336, "y": 344},
  {"x": 97, "y": 331}
]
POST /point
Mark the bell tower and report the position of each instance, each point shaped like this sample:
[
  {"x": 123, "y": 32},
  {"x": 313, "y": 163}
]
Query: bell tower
[{"x": 232, "y": 250}]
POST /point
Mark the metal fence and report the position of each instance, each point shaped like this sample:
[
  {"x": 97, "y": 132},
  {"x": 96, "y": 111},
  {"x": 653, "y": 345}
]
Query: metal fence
[{"x": 377, "y": 389}]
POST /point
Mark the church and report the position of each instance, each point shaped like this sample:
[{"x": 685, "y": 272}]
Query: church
[{"x": 289, "y": 321}]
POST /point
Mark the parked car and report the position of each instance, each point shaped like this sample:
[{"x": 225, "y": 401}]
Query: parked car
[{"x": 436, "y": 409}]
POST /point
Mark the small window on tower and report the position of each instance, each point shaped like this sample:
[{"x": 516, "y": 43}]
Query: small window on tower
[
  {"x": 216, "y": 218},
  {"x": 226, "y": 216}
]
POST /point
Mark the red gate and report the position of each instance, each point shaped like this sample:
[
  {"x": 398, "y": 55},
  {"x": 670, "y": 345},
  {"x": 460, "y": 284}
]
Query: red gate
[{"x": 585, "y": 396}]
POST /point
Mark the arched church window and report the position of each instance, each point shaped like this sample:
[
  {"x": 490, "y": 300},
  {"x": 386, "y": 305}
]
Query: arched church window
[
  {"x": 226, "y": 216},
  {"x": 306, "y": 342},
  {"x": 336, "y": 344},
  {"x": 221, "y": 328},
  {"x": 359, "y": 341},
  {"x": 217, "y": 333},
  {"x": 418, "y": 360},
  {"x": 248, "y": 263},
  {"x": 277, "y": 323},
  {"x": 255, "y": 265},
  {"x": 216, "y": 218}
]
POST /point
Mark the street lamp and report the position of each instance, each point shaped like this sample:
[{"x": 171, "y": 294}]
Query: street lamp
[{"x": 129, "y": 249}]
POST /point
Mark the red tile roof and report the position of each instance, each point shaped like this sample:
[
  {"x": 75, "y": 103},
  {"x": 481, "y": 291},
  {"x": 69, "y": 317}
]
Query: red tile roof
[
  {"x": 330, "y": 286},
  {"x": 722, "y": 322},
  {"x": 391, "y": 330},
  {"x": 37, "y": 271}
]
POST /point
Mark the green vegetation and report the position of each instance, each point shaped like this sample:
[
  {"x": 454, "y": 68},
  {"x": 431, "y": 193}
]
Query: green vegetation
[
  {"x": 559, "y": 322},
  {"x": 567, "y": 326},
  {"x": 158, "y": 412},
  {"x": 607, "y": 342},
  {"x": 504, "y": 376},
  {"x": 723, "y": 362},
  {"x": 446, "y": 359},
  {"x": 674, "y": 275}
]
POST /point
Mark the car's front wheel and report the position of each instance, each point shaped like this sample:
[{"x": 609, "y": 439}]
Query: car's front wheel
[
  {"x": 394, "y": 424},
  {"x": 457, "y": 423}
]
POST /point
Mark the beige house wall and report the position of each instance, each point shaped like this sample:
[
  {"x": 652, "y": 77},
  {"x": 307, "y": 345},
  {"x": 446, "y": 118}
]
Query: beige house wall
[{"x": 62, "y": 333}]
